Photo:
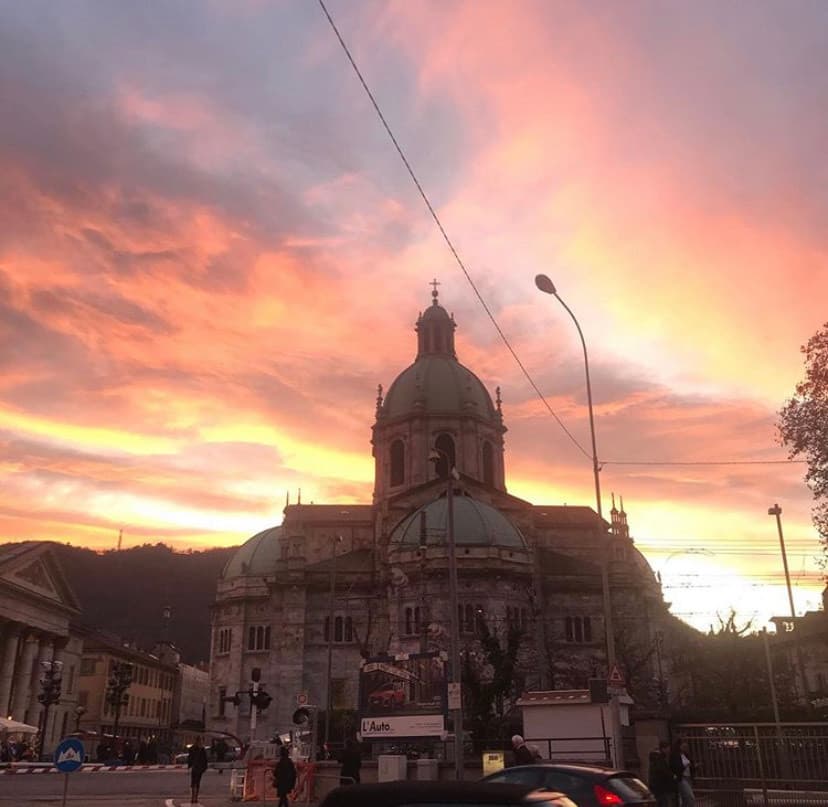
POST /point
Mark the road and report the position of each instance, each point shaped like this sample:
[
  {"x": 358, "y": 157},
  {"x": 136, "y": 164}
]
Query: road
[{"x": 111, "y": 789}]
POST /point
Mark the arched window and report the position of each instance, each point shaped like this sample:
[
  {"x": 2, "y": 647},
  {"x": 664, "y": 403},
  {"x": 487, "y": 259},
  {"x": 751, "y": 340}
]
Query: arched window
[
  {"x": 397, "y": 463},
  {"x": 488, "y": 464},
  {"x": 445, "y": 445}
]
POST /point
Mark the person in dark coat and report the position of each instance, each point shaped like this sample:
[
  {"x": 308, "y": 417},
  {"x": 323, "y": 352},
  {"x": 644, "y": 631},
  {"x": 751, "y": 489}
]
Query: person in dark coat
[
  {"x": 197, "y": 764},
  {"x": 351, "y": 760},
  {"x": 523, "y": 754},
  {"x": 284, "y": 776},
  {"x": 662, "y": 780},
  {"x": 685, "y": 771}
]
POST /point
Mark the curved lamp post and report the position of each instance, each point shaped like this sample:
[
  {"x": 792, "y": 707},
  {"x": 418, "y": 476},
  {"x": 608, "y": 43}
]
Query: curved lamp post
[
  {"x": 435, "y": 456},
  {"x": 548, "y": 287}
]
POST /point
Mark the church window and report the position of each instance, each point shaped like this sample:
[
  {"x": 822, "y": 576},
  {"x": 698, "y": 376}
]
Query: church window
[
  {"x": 258, "y": 638},
  {"x": 413, "y": 625},
  {"x": 445, "y": 446},
  {"x": 225, "y": 637},
  {"x": 343, "y": 629},
  {"x": 397, "y": 463},
  {"x": 488, "y": 464},
  {"x": 471, "y": 618},
  {"x": 578, "y": 629}
]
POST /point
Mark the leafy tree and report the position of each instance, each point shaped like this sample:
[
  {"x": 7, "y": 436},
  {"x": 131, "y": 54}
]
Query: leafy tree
[
  {"x": 803, "y": 425},
  {"x": 490, "y": 680}
]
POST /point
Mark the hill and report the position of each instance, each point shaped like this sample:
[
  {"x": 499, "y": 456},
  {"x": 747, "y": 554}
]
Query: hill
[{"x": 125, "y": 592}]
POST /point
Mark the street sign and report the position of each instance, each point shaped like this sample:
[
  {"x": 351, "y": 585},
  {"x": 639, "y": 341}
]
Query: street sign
[
  {"x": 454, "y": 696},
  {"x": 68, "y": 759},
  {"x": 616, "y": 677},
  {"x": 69, "y": 755},
  {"x": 302, "y": 699}
]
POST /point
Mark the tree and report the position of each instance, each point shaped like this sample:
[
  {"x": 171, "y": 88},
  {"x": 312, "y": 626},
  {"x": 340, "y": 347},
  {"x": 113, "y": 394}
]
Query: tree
[
  {"x": 490, "y": 680},
  {"x": 803, "y": 426}
]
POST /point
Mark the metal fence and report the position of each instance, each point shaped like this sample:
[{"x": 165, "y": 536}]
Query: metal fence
[{"x": 742, "y": 764}]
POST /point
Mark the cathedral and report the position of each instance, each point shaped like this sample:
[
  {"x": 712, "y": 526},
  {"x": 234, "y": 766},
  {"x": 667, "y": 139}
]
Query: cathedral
[{"x": 306, "y": 601}]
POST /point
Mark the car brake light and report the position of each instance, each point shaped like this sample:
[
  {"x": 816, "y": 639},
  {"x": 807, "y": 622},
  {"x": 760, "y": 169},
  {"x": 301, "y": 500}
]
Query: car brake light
[{"x": 605, "y": 796}]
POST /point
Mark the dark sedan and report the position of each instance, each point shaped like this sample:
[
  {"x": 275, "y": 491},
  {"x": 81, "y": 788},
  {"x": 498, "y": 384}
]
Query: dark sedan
[
  {"x": 443, "y": 794},
  {"x": 587, "y": 785}
]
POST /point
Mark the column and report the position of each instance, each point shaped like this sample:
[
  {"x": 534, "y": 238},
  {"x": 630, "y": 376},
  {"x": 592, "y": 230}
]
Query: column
[
  {"x": 23, "y": 678},
  {"x": 45, "y": 651},
  {"x": 8, "y": 657}
]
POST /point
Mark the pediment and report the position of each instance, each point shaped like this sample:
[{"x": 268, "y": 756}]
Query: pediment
[{"x": 34, "y": 569}]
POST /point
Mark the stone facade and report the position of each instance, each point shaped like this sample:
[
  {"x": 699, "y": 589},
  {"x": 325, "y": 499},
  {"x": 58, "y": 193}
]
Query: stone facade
[
  {"x": 362, "y": 579},
  {"x": 37, "y": 607}
]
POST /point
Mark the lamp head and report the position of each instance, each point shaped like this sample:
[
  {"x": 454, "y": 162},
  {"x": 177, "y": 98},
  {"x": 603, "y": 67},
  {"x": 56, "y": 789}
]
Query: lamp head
[
  {"x": 545, "y": 284},
  {"x": 776, "y": 510}
]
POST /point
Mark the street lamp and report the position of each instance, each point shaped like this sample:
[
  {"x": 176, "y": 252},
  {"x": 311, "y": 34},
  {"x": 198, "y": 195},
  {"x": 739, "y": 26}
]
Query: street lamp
[
  {"x": 435, "y": 456},
  {"x": 776, "y": 511},
  {"x": 548, "y": 287},
  {"x": 119, "y": 682},
  {"x": 50, "y": 685},
  {"x": 337, "y": 539}
]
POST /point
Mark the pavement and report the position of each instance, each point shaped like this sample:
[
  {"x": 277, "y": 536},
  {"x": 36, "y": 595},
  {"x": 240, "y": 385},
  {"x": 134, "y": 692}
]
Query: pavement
[{"x": 137, "y": 788}]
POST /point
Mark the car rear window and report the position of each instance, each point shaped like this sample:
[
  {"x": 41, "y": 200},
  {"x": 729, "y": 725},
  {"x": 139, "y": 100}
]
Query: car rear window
[{"x": 628, "y": 787}]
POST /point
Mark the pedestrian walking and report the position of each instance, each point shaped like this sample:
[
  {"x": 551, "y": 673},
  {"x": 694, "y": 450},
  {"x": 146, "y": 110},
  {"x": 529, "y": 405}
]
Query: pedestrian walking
[
  {"x": 284, "y": 776},
  {"x": 684, "y": 770},
  {"x": 662, "y": 780},
  {"x": 523, "y": 754},
  {"x": 196, "y": 764},
  {"x": 351, "y": 760}
]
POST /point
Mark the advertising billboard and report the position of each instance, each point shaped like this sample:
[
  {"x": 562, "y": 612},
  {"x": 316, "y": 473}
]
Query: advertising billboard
[{"x": 403, "y": 696}]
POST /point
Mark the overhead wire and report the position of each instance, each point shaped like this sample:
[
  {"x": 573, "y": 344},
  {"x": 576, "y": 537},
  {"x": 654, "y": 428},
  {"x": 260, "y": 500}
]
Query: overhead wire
[{"x": 479, "y": 295}]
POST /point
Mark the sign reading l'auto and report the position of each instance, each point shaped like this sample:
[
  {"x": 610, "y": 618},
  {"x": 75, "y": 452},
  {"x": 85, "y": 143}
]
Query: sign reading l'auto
[{"x": 377, "y": 728}]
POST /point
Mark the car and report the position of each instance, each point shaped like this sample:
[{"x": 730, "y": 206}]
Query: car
[
  {"x": 424, "y": 794},
  {"x": 388, "y": 696},
  {"x": 586, "y": 785}
]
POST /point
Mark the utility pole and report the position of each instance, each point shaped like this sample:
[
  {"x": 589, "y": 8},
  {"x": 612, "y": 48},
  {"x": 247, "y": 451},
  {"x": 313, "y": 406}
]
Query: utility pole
[
  {"x": 776, "y": 510},
  {"x": 331, "y": 621}
]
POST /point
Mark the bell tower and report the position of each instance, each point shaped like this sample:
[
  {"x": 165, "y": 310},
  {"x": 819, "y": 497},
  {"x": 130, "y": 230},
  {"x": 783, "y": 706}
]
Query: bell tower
[{"x": 436, "y": 402}]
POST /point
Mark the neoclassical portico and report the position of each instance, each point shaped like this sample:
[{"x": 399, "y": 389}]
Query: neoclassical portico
[{"x": 36, "y": 608}]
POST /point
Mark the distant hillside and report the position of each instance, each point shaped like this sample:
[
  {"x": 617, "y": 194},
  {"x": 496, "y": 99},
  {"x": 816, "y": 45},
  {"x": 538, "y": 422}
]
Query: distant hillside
[{"x": 125, "y": 592}]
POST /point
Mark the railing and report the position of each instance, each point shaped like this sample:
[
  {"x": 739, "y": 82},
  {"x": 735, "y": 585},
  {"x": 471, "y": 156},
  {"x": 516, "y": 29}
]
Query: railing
[{"x": 759, "y": 763}]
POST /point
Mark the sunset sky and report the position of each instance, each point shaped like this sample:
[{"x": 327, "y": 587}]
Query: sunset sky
[{"x": 211, "y": 255}]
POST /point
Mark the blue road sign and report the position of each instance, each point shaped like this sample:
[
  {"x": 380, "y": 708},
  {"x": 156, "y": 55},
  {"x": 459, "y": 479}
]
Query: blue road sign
[{"x": 69, "y": 755}]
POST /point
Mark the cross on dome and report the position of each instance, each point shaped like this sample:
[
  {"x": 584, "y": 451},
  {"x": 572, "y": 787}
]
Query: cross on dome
[{"x": 434, "y": 293}]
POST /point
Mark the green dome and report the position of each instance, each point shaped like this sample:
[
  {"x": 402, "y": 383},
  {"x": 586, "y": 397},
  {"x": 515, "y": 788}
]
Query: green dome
[
  {"x": 437, "y": 383},
  {"x": 475, "y": 524},
  {"x": 255, "y": 557}
]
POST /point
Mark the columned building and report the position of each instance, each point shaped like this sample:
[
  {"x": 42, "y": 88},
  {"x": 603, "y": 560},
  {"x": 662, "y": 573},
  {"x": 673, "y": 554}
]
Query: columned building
[
  {"x": 36, "y": 609},
  {"x": 349, "y": 581}
]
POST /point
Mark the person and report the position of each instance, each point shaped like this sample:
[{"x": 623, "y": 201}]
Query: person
[
  {"x": 523, "y": 754},
  {"x": 351, "y": 760},
  {"x": 284, "y": 776},
  {"x": 662, "y": 780},
  {"x": 196, "y": 764},
  {"x": 683, "y": 769}
]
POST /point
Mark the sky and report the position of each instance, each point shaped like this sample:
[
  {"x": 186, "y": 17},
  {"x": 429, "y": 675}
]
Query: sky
[{"x": 211, "y": 255}]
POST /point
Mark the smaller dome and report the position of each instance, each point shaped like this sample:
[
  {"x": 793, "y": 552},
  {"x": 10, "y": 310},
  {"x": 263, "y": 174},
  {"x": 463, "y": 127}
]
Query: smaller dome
[
  {"x": 475, "y": 524},
  {"x": 257, "y": 556}
]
